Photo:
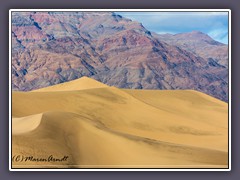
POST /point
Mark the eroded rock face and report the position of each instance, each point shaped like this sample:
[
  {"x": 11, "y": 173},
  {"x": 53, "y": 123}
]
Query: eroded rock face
[
  {"x": 199, "y": 44},
  {"x": 50, "y": 48}
]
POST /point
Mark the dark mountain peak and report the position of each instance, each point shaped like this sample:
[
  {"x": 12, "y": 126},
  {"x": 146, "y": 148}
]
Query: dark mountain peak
[{"x": 117, "y": 16}]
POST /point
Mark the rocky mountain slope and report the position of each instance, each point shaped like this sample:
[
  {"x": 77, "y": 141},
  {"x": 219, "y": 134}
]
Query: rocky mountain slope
[
  {"x": 53, "y": 47},
  {"x": 200, "y": 44}
]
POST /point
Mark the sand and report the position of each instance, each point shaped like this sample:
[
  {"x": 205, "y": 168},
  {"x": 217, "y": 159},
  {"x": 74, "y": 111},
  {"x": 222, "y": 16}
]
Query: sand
[{"x": 93, "y": 125}]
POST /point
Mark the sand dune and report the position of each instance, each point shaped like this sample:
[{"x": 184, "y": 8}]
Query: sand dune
[
  {"x": 99, "y": 126},
  {"x": 26, "y": 123},
  {"x": 78, "y": 84}
]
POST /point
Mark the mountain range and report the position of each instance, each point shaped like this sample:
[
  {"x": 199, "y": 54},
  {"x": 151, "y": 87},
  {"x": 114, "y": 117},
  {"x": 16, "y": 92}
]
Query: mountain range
[
  {"x": 199, "y": 44},
  {"x": 49, "y": 48}
]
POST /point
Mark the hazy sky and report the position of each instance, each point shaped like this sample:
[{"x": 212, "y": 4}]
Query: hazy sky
[{"x": 215, "y": 24}]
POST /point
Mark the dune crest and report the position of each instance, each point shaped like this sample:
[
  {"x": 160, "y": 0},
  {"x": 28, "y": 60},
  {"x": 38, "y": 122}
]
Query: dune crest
[
  {"x": 78, "y": 84},
  {"x": 96, "y": 125}
]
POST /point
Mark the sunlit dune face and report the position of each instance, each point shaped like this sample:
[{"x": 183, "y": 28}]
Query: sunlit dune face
[{"x": 87, "y": 124}]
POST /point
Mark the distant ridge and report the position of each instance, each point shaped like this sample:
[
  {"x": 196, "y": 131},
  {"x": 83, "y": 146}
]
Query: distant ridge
[{"x": 199, "y": 44}]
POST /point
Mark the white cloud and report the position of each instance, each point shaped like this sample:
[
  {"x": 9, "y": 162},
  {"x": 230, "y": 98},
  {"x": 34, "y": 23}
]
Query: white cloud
[
  {"x": 166, "y": 32},
  {"x": 219, "y": 35}
]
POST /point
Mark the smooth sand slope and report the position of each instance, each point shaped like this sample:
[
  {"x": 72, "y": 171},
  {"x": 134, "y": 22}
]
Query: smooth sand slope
[{"x": 95, "y": 125}]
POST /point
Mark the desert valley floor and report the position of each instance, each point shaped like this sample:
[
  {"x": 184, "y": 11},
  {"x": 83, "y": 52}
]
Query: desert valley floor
[{"x": 98, "y": 126}]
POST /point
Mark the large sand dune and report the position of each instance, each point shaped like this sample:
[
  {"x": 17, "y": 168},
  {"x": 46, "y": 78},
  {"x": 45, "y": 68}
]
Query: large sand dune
[{"x": 97, "y": 126}]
